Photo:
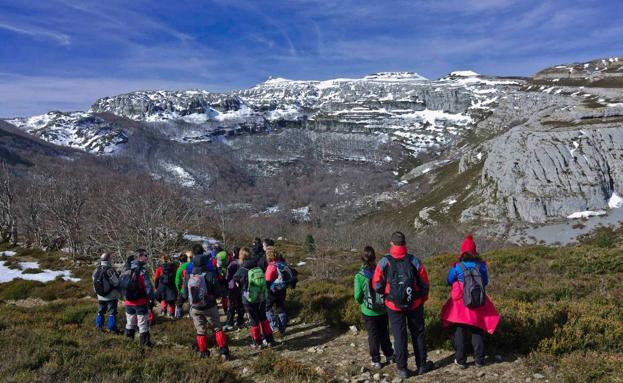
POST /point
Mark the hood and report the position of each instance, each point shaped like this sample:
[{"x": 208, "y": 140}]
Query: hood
[
  {"x": 468, "y": 246},
  {"x": 398, "y": 252},
  {"x": 250, "y": 263},
  {"x": 257, "y": 250}
]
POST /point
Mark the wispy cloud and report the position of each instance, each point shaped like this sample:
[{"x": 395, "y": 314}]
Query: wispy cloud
[
  {"x": 118, "y": 45},
  {"x": 37, "y": 32}
]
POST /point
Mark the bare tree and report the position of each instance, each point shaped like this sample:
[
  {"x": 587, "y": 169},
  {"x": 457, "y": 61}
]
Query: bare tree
[{"x": 8, "y": 218}]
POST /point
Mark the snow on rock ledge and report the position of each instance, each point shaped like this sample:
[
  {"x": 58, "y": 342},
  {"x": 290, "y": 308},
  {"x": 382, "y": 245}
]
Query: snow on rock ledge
[
  {"x": 464, "y": 73},
  {"x": 585, "y": 214}
]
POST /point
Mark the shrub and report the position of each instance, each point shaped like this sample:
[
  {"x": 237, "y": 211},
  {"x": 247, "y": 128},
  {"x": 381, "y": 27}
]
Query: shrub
[
  {"x": 603, "y": 236},
  {"x": 285, "y": 369},
  {"x": 76, "y": 314},
  {"x": 32, "y": 271},
  {"x": 17, "y": 289},
  {"x": 324, "y": 301},
  {"x": 584, "y": 367}
]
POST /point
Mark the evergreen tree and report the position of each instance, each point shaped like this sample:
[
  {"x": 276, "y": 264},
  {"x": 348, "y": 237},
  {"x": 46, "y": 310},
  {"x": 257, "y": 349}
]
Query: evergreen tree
[{"x": 310, "y": 244}]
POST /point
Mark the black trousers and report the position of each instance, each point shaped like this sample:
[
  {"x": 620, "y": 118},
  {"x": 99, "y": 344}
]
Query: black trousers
[
  {"x": 256, "y": 312},
  {"x": 378, "y": 336},
  {"x": 235, "y": 308},
  {"x": 478, "y": 342},
  {"x": 413, "y": 320}
]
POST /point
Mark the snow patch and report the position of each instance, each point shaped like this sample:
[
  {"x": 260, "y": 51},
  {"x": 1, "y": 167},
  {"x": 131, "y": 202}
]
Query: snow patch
[
  {"x": 8, "y": 253},
  {"x": 185, "y": 178},
  {"x": 615, "y": 201},
  {"x": 302, "y": 213},
  {"x": 7, "y": 274},
  {"x": 586, "y": 214},
  {"x": 198, "y": 238},
  {"x": 464, "y": 73},
  {"x": 272, "y": 210}
]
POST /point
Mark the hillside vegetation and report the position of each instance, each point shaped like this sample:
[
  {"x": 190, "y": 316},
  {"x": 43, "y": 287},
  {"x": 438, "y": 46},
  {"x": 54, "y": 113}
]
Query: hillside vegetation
[{"x": 560, "y": 306}]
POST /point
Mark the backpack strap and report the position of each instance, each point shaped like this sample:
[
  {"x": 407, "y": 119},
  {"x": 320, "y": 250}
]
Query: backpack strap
[{"x": 462, "y": 266}]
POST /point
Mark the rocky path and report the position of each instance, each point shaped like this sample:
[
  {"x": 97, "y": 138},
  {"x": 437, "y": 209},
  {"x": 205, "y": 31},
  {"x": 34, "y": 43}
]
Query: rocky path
[
  {"x": 343, "y": 357},
  {"x": 337, "y": 355}
]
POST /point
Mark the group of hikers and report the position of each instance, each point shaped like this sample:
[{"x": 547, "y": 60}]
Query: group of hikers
[
  {"x": 252, "y": 280},
  {"x": 255, "y": 281}
]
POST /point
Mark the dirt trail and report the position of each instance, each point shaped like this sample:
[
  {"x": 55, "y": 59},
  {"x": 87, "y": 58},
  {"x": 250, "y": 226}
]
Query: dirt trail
[{"x": 343, "y": 356}]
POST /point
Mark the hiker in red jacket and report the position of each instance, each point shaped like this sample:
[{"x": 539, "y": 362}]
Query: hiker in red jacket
[
  {"x": 139, "y": 294},
  {"x": 166, "y": 292},
  {"x": 469, "y": 275},
  {"x": 402, "y": 279}
]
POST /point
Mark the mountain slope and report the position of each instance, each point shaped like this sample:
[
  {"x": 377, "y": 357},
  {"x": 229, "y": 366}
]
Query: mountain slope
[
  {"x": 17, "y": 147},
  {"x": 529, "y": 150}
]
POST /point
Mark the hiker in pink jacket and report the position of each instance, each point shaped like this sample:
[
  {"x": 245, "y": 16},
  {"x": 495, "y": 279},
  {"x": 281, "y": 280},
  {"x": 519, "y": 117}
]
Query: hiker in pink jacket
[{"x": 468, "y": 308}]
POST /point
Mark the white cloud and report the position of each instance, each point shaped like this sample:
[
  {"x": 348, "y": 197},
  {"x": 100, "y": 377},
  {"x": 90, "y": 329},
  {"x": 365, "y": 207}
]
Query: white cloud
[{"x": 36, "y": 32}]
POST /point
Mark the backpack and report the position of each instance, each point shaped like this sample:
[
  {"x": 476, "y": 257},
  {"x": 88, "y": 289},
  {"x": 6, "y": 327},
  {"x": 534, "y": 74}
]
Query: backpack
[
  {"x": 128, "y": 282},
  {"x": 473, "y": 288},
  {"x": 101, "y": 285},
  {"x": 168, "y": 275},
  {"x": 285, "y": 276},
  {"x": 198, "y": 294},
  {"x": 256, "y": 286},
  {"x": 401, "y": 276},
  {"x": 373, "y": 300}
]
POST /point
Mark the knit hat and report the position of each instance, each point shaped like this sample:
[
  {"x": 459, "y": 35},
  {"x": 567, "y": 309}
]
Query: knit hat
[{"x": 468, "y": 246}]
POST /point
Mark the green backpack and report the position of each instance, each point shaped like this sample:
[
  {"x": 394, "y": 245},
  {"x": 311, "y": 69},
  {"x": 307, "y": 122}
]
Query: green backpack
[{"x": 256, "y": 287}]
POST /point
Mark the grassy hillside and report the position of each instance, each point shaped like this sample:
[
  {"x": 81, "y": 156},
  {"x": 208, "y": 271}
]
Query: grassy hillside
[{"x": 560, "y": 307}]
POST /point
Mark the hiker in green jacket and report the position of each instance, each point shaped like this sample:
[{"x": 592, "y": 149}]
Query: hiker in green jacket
[
  {"x": 373, "y": 310},
  {"x": 185, "y": 259}
]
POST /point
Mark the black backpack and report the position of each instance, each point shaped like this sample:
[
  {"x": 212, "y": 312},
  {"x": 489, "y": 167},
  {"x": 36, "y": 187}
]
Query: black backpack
[
  {"x": 101, "y": 284},
  {"x": 168, "y": 275},
  {"x": 401, "y": 275},
  {"x": 473, "y": 288},
  {"x": 129, "y": 284},
  {"x": 373, "y": 300}
]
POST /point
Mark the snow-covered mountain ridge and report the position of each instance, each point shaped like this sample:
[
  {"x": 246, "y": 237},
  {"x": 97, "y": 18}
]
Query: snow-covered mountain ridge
[
  {"x": 419, "y": 113},
  {"x": 532, "y": 150}
]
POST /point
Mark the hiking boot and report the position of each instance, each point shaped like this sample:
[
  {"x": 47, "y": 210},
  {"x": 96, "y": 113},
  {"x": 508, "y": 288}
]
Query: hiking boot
[
  {"x": 145, "y": 340},
  {"x": 376, "y": 365},
  {"x": 479, "y": 363},
  {"x": 205, "y": 354},
  {"x": 403, "y": 374},
  {"x": 270, "y": 343},
  {"x": 462, "y": 365},
  {"x": 225, "y": 357},
  {"x": 255, "y": 346}
]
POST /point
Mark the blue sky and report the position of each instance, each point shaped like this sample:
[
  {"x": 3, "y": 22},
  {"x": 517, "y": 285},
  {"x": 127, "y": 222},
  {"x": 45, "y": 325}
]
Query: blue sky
[{"x": 64, "y": 54}]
